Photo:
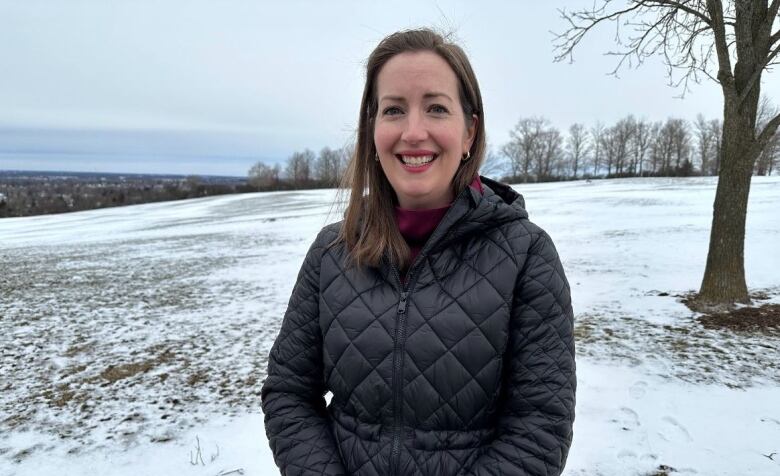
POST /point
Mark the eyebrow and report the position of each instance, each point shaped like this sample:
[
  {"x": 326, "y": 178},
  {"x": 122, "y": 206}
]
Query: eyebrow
[{"x": 425, "y": 96}]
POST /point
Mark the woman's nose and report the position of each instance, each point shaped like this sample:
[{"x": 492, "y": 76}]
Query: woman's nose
[{"x": 416, "y": 129}]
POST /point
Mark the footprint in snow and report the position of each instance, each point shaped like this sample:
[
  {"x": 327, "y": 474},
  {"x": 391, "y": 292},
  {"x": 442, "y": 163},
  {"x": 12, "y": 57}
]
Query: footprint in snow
[
  {"x": 674, "y": 432},
  {"x": 628, "y": 419},
  {"x": 638, "y": 389},
  {"x": 629, "y": 455},
  {"x": 626, "y": 455}
]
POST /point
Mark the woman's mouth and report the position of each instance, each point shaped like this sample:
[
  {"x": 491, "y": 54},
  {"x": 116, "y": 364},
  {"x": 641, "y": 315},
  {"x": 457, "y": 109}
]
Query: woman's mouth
[{"x": 416, "y": 160}]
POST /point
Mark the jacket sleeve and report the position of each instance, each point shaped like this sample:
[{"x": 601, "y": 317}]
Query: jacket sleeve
[
  {"x": 535, "y": 425},
  {"x": 295, "y": 419}
]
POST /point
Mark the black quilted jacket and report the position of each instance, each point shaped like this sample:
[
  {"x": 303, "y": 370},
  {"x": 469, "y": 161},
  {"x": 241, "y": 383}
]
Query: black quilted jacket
[{"x": 467, "y": 369}]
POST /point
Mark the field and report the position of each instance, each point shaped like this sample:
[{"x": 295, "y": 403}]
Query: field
[{"x": 130, "y": 337}]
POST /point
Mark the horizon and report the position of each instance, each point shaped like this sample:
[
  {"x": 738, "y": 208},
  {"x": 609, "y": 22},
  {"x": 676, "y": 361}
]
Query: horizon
[{"x": 4, "y": 172}]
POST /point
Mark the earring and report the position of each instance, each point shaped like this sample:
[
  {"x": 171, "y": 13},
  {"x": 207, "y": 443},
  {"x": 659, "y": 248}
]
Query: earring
[
  {"x": 466, "y": 157},
  {"x": 376, "y": 157}
]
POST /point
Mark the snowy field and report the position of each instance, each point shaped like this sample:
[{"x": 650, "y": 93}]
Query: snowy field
[{"x": 131, "y": 336}]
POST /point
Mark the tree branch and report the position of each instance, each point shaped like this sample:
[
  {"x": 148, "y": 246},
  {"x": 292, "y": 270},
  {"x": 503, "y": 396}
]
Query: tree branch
[
  {"x": 572, "y": 37},
  {"x": 773, "y": 39},
  {"x": 772, "y": 10},
  {"x": 680, "y": 6},
  {"x": 770, "y": 129},
  {"x": 772, "y": 55},
  {"x": 725, "y": 76},
  {"x": 754, "y": 77},
  {"x": 771, "y": 13}
]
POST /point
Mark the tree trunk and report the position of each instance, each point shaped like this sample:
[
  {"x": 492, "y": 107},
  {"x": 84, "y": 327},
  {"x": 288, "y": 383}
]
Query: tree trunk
[{"x": 724, "y": 276}]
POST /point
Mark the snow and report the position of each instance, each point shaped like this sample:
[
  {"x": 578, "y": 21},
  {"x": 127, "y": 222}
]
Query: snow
[{"x": 129, "y": 334}]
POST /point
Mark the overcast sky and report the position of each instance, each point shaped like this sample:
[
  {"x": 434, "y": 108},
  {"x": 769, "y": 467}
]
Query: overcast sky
[{"x": 210, "y": 87}]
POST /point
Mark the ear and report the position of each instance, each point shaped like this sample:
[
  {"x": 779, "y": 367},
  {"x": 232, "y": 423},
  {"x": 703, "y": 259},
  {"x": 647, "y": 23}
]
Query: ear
[{"x": 471, "y": 132}]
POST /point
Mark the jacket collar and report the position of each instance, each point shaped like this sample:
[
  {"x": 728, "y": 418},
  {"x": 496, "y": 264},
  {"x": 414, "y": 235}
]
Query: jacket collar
[{"x": 474, "y": 212}]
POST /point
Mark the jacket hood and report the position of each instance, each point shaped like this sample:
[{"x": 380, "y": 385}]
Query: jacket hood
[
  {"x": 474, "y": 213},
  {"x": 506, "y": 193}
]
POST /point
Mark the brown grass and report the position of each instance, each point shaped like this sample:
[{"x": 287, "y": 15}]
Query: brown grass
[
  {"x": 195, "y": 378},
  {"x": 762, "y": 319},
  {"x": 115, "y": 373}
]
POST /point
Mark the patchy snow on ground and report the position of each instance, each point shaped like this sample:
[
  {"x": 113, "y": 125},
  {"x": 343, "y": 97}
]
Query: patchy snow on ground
[{"x": 134, "y": 340}]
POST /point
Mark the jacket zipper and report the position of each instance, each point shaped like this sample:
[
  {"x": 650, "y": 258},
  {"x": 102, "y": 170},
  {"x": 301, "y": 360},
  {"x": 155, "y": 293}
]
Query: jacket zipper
[
  {"x": 400, "y": 329},
  {"x": 403, "y": 300}
]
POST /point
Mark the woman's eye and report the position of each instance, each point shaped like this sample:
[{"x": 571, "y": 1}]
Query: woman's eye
[
  {"x": 438, "y": 109},
  {"x": 392, "y": 111}
]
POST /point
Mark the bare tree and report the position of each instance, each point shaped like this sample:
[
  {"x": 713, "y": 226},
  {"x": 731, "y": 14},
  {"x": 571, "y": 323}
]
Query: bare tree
[
  {"x": 610, "y": 148},
  {"x": 681, "y": 139},
  {"x": 705, "y": 144},
  {"x": 328, "y": 166},
  {"x": 494, "y": 164},
  {"x": 770, "y": 157},
  {"x": 577, "y": 146},
  {"x": 514, "y": 155},
  {"x": 656, "y": 147},
  {"x": 665, "y": 141},
  {"x": 765, "y": 162},
  {"x": 596, "y": 134},
  {"x": 731, "y": 43},
  {"x": 622, "y": 135},
  {"x": 717, "y": 127},
  {"x": 641, "y": 143},
  {"x": 550, "y": 153},
  {"x": 264, "y": 176},
  {"x": 299, "y": 168},
  {"x": 526, "y": 146}
]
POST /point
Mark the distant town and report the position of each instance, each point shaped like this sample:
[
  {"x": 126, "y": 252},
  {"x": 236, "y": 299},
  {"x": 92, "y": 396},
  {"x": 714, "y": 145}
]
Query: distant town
[{"x": 27, "y": 193}]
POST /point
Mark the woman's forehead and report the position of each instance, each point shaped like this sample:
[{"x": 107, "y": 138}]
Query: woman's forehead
[{"x": 421, "y": 73}]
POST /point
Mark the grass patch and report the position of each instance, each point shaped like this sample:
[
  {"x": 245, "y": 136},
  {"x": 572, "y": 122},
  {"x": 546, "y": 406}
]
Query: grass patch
[
  {"x": 762, "y": 319},
  {"x": 115, "y": 373}
]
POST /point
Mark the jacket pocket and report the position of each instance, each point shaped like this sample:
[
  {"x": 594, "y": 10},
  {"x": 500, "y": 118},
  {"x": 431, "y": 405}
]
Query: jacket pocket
[{"x": 363, "y": 430}]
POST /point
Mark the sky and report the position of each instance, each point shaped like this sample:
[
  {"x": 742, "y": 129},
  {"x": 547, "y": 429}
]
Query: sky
[{"x": 211, "y": 87}]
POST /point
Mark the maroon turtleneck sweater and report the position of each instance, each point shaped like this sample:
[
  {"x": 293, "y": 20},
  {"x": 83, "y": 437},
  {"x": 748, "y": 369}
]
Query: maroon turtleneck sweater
[{"x": 416, "y": 226}]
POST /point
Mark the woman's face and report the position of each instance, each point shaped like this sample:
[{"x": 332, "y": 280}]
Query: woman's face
[{"x": 420, "y": 132}]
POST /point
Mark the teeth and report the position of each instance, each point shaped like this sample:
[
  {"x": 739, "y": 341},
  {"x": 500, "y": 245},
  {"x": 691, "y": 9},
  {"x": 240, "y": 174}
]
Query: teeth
[{"x": 417, "y": 161}]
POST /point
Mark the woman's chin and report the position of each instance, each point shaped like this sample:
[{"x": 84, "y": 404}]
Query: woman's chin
[{"x": 422, "y": 198}]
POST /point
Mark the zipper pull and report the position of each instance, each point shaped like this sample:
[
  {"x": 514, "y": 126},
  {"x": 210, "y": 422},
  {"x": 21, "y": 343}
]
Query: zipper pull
[{"x": 402, "y": 303}]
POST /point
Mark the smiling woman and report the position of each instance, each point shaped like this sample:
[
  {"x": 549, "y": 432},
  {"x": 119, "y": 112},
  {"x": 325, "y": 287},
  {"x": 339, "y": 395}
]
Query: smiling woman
[
  {"x": 436, "y": 313},
  {"x": 421, "y": 132}
]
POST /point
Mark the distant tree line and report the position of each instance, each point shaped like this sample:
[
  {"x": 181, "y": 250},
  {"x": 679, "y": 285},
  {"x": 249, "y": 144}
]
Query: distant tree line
[
  {"x": 27, "y": 195},
  {"x": 302, "y": 170},
  {"x": 537, "y": 151}
]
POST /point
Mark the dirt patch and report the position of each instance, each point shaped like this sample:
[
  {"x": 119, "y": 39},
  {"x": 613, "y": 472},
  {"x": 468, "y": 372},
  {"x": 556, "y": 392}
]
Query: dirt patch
[
  {"x": 663, "y": 470},
  {"x": 79, "y": 349},
  {"x": 686, "y": 349},
  {"x": 196, "y": 378},
  {"x": 763, "y": 319},
  {"x": 62, "y": 395},
  {"x": 72, "y": 370},
  {"x": 114, "y": 373},
  {"x": 692, "y": 301}
]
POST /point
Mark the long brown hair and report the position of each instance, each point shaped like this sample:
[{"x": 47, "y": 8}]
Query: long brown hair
[{"x": 369, "y": 229}]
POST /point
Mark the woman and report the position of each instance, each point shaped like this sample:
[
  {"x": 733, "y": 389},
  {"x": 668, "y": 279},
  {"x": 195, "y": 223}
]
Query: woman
[{"x": 437, "y": 315}]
